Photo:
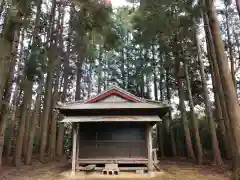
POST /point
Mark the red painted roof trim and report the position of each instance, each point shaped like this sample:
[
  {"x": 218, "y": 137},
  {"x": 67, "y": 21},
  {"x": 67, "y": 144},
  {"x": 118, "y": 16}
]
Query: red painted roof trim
[{"x": 113, "y": 92}]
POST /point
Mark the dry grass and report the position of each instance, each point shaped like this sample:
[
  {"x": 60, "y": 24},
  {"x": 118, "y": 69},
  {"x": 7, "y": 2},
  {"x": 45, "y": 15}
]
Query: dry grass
[{"x": 171, "y": 170}]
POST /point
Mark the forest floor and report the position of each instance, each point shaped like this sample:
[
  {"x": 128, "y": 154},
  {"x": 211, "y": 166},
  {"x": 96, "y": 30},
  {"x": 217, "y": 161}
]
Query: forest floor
[{"x": 171, "y": 169}]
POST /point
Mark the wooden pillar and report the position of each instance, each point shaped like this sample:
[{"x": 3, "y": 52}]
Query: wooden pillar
[
  {"x": 150, "y": 146},
  {"x": 78, "y": 141},
  {"x": 74, "y": 148}
]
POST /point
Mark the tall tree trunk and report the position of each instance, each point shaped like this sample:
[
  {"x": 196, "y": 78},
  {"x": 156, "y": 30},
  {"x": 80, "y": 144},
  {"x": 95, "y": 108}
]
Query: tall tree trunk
[
  {"x": 160, "y": 130},
  {"x": 230, "y": 48},
  {"x": 11, "y": 126},
  {"x": 161, "y": 87},
  {"x": 60, "y": 137},
  {"x": 219, "y": 88},
  {"x": 219, "y": 116},
  {"x": 66, "y": 72},
  {"x": 4, "y": 116},
  {"x": 100, "y": 59},
  {"x": 238, "y": 7},
  {"x": 27, "y": 131},
  {"x": 89, "y": 90},
  {"x": 54, "y": 114},
  {"x": 49, "y": 83},
  {"x": 80, "y": 61},
  {"x": 173, "y": 143},
  {"x": 185, "y": 121},
  {"x": 155, "y": 86},
  {"x": 194, "y": 119},
  {"x": 79, "y": 78},
  {"x": 154, "y": 74},
  {"x": 35, "y": 117},
  {"x": 16, "y": 93},
  {"x": 34, "y": 46},
  {"x": 9, "y": 74},
  {"x": 52, "y": 143},
  {"x": 8, "y": 40},
  {"x": 46, "y": 111},
  {"x": 28, "y": 84},
  {"x": 123, "y": 71},
  {"x": 227, "y": 83},
  {"x": 178, "y": 141},
  {"x": 163, "y": 127},
  {"x": 208, "y": 109},
  {"x": 179, "y": 75},
  {"x": 53, "y": 133},
  {"x": 7, "y": 94},
  {"x": 127, "y": 64}
]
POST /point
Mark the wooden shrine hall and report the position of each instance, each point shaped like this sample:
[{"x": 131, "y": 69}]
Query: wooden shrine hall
[{"x": 114, "y": 127}]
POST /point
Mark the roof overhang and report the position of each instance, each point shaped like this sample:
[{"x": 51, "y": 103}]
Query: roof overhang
[
  {"x": 100, "y": 109},
  {"x": 112, "y": 106},
  {"x": 75, "y": 119}
]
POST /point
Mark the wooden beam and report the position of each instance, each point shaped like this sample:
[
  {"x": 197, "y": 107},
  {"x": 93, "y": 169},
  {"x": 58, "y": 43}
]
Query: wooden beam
[
  {"x": 141, "y": 161},
  {"x": 74, "y": 148},
  {"x": 150, "y": 147},
  {"x": 122, "y": 168}
]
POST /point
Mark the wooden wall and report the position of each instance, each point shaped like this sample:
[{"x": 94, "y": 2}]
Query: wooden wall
[{"x": 112, "y": 140}]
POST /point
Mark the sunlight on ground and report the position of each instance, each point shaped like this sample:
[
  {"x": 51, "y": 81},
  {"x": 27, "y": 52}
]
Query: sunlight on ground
[
  {"x": 57, "y": 171},
  {"x": 122, "y": 175}
]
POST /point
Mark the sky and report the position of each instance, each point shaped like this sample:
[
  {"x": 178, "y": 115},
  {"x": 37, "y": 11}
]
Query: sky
[{"x": 117, "y": 3}]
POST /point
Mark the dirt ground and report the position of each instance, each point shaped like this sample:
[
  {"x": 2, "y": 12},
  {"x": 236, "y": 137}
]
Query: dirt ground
[{"x": 170, "y": 170}]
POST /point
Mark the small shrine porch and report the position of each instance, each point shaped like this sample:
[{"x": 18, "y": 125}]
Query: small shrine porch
[{"x": 113, "y": 127}]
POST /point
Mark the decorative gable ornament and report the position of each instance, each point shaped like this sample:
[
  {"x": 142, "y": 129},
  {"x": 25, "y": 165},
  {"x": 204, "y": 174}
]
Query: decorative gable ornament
[{"x": 114, "y": 91}]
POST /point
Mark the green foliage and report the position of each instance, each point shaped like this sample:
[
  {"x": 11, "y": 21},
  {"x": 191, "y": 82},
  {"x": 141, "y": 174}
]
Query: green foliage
[
  {"x": 93, "y": 23},
  {"x": 35, "y": 61}
]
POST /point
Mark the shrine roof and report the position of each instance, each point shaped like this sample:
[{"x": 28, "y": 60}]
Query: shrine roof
[{"x": 114, "y": 98}]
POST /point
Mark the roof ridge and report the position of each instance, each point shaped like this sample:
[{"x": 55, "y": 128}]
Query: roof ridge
[
  {"x": 127, "y": 92},
  {"x": 103, "y": 92},
  {"x": 112, "y": 87}
]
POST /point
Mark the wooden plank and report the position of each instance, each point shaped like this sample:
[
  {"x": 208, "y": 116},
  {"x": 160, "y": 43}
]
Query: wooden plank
[
  {"x": 114, "y": 141},
  {"x": 115, "y": 160},
  {"x": 111, "y": 140},
  {"x": 123, "y": 168},
  {"x": 73, "y": 119},
  {"x": 95, "y": 149},
  {"x": 74, "y": 149}
]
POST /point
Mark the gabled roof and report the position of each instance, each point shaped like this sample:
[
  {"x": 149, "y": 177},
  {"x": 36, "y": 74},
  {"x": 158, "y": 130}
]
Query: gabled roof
[
  {"x": 114, "y": 90},
  {"x": 132, "y": 103}
]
